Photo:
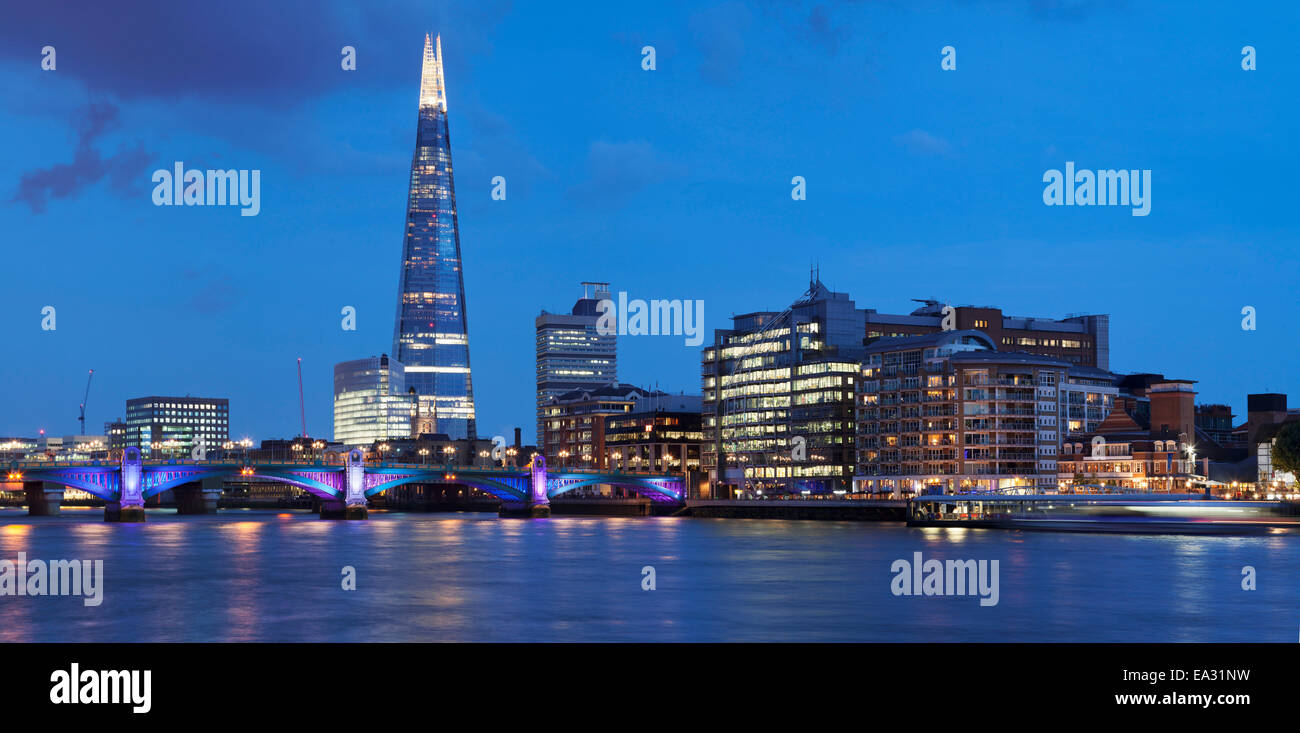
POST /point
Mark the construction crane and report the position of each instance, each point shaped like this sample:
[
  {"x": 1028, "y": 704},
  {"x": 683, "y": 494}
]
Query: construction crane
[
  {"x": 84, "y": 400},
  {"x": 302, "y": 409}
]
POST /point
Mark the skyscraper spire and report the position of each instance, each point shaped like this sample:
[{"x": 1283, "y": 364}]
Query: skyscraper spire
[
  {"x": 431, "y": 335},
  {"x": 433, "y": 87}
]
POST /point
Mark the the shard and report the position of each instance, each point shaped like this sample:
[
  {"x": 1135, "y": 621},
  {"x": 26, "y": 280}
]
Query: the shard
[{"x": 432, "y": 335}]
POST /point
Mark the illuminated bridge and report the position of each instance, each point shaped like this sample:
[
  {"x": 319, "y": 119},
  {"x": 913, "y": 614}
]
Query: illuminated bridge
[{"x": 342, "y": 487}]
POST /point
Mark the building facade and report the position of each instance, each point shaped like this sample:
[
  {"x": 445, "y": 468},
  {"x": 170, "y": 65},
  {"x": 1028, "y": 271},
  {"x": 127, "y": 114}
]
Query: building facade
[
  {"x": 371, "y": 402},
  {"x": 571, "y": 353},
  {"x": 171, "y": 427},
  {"x": 1087, "y": 396},
  {"x": 1081, "y": 340},
  {"x": 1133, "y": 451},
  {"x": 431, "y": 336},
  {"x": 573, "y": 424},
  {"x": 947, "y": 412},
  {"x": 662, "y": 435},
  {"x": 778, "y": 398}
]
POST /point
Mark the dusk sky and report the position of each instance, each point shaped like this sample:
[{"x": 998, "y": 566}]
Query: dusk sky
[{"x": 671, "y": 183}]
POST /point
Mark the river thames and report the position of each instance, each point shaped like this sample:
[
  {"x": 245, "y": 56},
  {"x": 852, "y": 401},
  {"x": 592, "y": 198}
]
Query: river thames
[{"x": 247, "y": 575}]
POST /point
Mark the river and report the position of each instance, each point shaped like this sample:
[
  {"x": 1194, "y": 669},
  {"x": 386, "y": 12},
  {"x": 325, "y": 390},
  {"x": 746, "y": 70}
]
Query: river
[{"x": 247, "y": 575}]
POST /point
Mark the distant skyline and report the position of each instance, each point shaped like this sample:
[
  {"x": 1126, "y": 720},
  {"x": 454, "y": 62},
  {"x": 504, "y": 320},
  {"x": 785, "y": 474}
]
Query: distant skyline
[{"x": 671, "y": 183}]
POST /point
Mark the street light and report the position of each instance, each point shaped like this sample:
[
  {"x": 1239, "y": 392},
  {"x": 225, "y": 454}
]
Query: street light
[
  {"x": 447, "y": 451},
  {"x": 423, "y": 453}
]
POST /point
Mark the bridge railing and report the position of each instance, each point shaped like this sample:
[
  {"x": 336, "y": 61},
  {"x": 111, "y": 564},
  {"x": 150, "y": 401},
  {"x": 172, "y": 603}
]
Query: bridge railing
[{"x": 512, "y": 470}]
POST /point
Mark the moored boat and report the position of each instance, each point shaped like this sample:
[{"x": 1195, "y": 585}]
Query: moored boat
[{"x": 1145, "y": 513}]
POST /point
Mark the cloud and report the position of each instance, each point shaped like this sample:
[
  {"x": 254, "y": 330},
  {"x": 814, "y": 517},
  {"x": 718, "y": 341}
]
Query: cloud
[
  {"x": 252, "y": 51},
  {"x": 718, "y": 33},
  {"x": 88, "y": 166},
  {"x": 822, "y": 29},
  {"x": 211, "y": 292},
  {"x": 617, "y": 171},
  {"x": 920, "y": 142}
]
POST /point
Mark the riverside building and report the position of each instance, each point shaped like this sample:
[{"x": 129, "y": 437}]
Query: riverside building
[
  {"x": 1082, "y": 340},
  {"x": 370, "y": 401},
  {"x": 947, "y": 412},
  {"x": 778, "y": 397},
  {"x": 571, "y": 353}
]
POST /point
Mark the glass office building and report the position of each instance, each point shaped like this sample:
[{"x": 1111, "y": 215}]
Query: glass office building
[
  {"x": 778, "y": 399},
  {"x": 371, "y": 402},
  {"x": 170, "y": 427},
  {"x": 431, "y": 337},
  {"x": 571, "y": 354}
]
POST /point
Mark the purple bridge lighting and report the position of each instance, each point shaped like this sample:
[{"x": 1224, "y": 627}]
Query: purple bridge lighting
[{"x": 343, "y": 487}]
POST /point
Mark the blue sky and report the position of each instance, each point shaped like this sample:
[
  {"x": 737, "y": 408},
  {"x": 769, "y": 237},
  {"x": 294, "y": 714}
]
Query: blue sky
[{"x": 672, "y": 183}]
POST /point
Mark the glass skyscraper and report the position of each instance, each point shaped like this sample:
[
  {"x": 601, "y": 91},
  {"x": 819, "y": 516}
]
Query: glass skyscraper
[
  {"x": 571, "y": 353},
  {"x": 432, "y": 335},
  {"x": 370, "y": 401}
]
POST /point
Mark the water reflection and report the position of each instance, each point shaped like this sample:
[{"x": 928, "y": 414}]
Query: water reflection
[{"x": 277, "y": 576}]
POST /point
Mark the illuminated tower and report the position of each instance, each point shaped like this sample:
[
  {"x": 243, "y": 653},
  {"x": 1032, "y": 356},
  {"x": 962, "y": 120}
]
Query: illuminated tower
[{"x": 432, "y": 335}]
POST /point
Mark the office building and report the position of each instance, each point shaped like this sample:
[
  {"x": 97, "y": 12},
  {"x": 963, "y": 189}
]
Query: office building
[
  {"x": 661, "y": 434},
  {"x": 778, "y": 398},
  {"x": 171, "y": 427},
  {"x": 371, "y": 402},
  {"x": 1083, "y": 340},
  {"x": 573, "y": 424},
  {"x": 571, "y": 354},
  {"x": 431, "y": 335}
]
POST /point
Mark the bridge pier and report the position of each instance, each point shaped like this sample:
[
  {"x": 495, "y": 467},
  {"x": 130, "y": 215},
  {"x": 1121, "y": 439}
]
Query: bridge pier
[
  {"x": 44, "y": 499},
  {"x": 523, "y": 510},
  {"x": 538, "y": 503},
  {"x": 352, "y": 505},
  {"x": 198, "y": 497},
  {"x": 130, "y": 504},
  {"x": 115, "y": 512},
  {"x": 337, "y": 509}
]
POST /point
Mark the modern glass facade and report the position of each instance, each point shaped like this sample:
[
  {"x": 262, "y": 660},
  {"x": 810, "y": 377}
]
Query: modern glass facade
[
  {"x": 778, "y": 392},
  {"x": 431, "y": 337},
  {"x": 171, "y": 426},
  {"x": 370, "y": 401},
  {"x": 571, "y": 354}
]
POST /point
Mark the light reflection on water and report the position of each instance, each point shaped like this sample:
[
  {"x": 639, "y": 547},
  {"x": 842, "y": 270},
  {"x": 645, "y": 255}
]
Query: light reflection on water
[{"x": 276, "y": 576}]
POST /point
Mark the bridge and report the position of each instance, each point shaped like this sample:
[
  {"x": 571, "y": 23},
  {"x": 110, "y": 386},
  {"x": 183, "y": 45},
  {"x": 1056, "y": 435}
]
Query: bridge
[{"x": 343, "y": 487}]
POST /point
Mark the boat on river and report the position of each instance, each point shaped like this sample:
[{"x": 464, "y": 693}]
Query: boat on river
[{"x": 1143, "y": 513}]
